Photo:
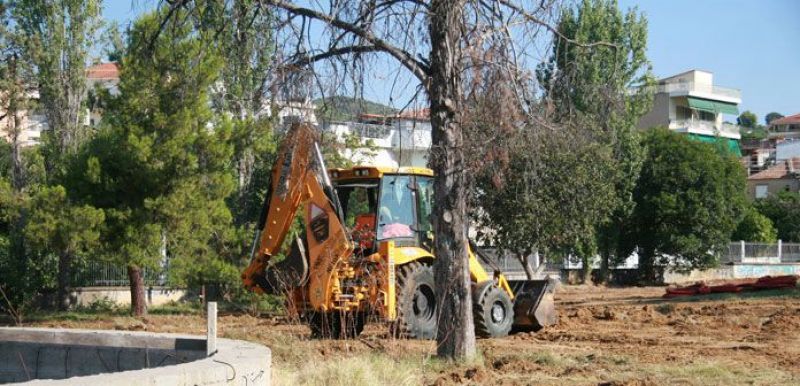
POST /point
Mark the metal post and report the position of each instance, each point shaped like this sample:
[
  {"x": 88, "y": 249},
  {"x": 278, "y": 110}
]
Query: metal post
[
  {"x": 780, "y": 250},
  {"x": 742, "y": 258},
  {"x": 211, "y": 332}
]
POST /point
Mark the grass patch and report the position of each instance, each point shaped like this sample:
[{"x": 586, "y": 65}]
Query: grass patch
[
  {"x": 718, "y": 373},
  {"x": 367, "y": 369},
  {"x": 792, "y": 293},
  {"x": 178, "y": 308},
  {"x": 666, "y": 308},
  {"x": 546, "y": 358}
]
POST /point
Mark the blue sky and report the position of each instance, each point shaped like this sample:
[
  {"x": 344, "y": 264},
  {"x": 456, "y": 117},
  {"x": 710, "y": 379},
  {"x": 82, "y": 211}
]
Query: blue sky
[{"x": 750, "y": 45}]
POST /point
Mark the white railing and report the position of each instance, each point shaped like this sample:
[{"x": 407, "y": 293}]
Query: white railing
[
  {"x": 369, "y": 130},
  {"x": 699, "y": 87},
  {"x": 770, "y": 253},
  {"x": 730, "y": 128},
  {"x": 726, "y": 129}
]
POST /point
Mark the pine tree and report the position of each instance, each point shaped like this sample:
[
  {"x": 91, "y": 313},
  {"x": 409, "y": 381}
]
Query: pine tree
[{"x": 159, "y": 165}]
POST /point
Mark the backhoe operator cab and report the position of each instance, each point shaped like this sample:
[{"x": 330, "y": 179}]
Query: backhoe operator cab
[
  {"x": 386, "y": 204},
  {"x": 367, "y": 251}
]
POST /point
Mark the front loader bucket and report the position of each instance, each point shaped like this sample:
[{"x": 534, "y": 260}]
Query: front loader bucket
[{"x": 534, "y": 306}]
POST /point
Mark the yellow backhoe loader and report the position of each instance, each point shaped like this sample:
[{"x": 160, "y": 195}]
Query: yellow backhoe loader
[{"x": 366, "y": 251}]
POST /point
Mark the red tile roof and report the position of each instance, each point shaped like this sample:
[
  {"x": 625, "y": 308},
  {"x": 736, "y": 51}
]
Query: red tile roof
[
  {"x": 783, "y": 169},
  {"x": 421, "y": 114},
  {"x": 103, "y": 71},
  {"x": 790, "y": 120}
]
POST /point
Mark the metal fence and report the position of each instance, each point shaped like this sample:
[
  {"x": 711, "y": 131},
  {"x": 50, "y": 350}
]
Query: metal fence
[
  {"x": 745, "y": 252},
  {"x": 104, "y": 274}
]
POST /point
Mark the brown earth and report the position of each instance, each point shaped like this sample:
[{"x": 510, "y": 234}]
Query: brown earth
[{"x": 606, "y": 336}]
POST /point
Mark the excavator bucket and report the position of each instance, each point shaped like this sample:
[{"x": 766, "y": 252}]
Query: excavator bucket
[{"x": 534, "y": 306}]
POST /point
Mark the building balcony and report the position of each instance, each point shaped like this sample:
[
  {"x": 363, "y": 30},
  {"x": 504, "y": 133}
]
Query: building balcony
[
  {"x": 696, "y": 126},
  {"x": 701, "y": 90},
  {"x": 386, "y": 136}
]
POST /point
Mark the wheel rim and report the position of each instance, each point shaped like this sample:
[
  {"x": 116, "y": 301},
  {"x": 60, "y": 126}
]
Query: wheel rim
[
  {"x": 498, "y": 312},
  {"x": 424, "y": 302}
]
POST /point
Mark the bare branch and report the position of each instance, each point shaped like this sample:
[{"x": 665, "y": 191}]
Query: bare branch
[
  {"x": 533, "y": 19},
  {"x": 418, "y": 68},
  {"x": 333, "y": 52}
]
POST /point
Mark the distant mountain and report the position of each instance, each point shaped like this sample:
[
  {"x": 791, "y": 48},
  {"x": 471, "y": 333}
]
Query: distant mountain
[{"x": 343, "y": 108}]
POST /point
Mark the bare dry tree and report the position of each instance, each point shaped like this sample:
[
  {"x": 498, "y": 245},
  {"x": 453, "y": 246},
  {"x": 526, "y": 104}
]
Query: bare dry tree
[{"x": 438, "y": 44}]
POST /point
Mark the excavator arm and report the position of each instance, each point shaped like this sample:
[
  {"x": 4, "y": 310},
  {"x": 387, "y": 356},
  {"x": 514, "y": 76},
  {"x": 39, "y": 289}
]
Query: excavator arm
[{"x": 299, "y": 177}]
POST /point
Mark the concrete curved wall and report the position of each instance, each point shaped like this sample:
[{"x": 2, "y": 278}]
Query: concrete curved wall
[{"x": 41, "y": 356}]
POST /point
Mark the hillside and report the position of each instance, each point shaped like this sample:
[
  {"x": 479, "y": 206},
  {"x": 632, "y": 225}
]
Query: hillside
[{"x": 343, "y": 108}]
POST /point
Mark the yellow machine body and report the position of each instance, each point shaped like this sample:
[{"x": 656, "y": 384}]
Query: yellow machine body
[{"x": 349, "y": 260}]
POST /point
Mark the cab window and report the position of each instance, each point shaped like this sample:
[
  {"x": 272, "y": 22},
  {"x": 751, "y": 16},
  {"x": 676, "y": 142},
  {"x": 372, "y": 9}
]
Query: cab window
[
  {"x": 357, "y": 200},
  {"x": 396, "y": 208},
  {"x": 425, "y": 203}
]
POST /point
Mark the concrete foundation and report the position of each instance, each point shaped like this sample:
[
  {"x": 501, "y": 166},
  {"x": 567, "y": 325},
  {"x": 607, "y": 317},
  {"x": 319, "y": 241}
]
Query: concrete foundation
[{"x": 90, "y": 357}]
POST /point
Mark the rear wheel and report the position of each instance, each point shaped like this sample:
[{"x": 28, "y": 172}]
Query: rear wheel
[
  {"x": 336, "y": 325},
  {"x": 492, "y": 311},
  {"x": 416, "y": 302}
]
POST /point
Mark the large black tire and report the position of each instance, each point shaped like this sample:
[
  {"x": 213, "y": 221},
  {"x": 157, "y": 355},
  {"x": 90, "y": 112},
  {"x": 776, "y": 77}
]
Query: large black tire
[
  {"x": 335, "y": 325},
  {"x": 416, "y": 302},
  {"x": 492, "y": 311}
]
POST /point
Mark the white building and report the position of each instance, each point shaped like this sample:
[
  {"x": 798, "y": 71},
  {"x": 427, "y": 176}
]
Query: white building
[
  {"x": 787, "y": 150},
  {"x": 32, "y": 123},
  {"x": 690, "y": 103},
  {"x": 401, "y": 140}
]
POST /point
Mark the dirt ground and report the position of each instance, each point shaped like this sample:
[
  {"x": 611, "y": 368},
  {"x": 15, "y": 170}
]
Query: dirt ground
[{"x": 606, "y": 336}]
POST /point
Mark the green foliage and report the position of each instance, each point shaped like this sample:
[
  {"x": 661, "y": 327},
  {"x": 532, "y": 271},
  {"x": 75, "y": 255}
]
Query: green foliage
[
  {"x": 549, "y": 199},
  {"x": 689, "y": 199},
  {"x": 747, "y": 119},
  {"x": 587, "y": 82},
  {"x": 179, "y": 308},
  {"x": 25, "y": 275},
  {"x": 55, "y": 224},
  {"x": 159, "y": 165},
  {"x": 344, "y": 108},
  {"x": 756, "y": 133},
  {"x": 103, "y": 306},
  {"x": 57, "y": 37},
  {"x": 771, "y": 117},
  {"x": 783, "y": 209},
  {"x": 755, "y": 227}
]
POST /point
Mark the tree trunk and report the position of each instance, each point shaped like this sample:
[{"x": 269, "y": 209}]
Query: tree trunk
[
  {"x": 138, "y": 300},
  {"x": 604, "y": 264},
  {"x": 456, "y": 334},
  {"x": 64, "y": 273},
  {"x": 15, "y": 126},
  {"x": 587, "y": 269},
  {"x": 647, "y": 267},
  {"x": 17, "y": 172},
  {"x": 526, "y": 265}
]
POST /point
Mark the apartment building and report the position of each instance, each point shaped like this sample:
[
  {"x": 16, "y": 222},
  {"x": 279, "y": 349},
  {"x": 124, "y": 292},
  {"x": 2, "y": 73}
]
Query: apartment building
[
  {"x": 783, "y": 176},
  {"x": 692, "y": 104},
  {"x": 785, "y": 129},
  {"x": 397, "y": 140}
]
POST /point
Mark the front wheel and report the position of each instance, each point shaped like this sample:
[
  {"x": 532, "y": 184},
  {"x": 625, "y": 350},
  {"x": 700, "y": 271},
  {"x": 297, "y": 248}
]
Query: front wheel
[
  {"x": 493, "y": 311},
  {"x": 416, "y": 302}
]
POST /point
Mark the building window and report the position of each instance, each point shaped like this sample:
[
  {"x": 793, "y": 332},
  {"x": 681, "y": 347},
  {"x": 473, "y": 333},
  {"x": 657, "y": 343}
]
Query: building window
[
  {"x": 683, "y": 113},
  {"x": 761, "y": 191},
  {"x": 706, "y": 116}
]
